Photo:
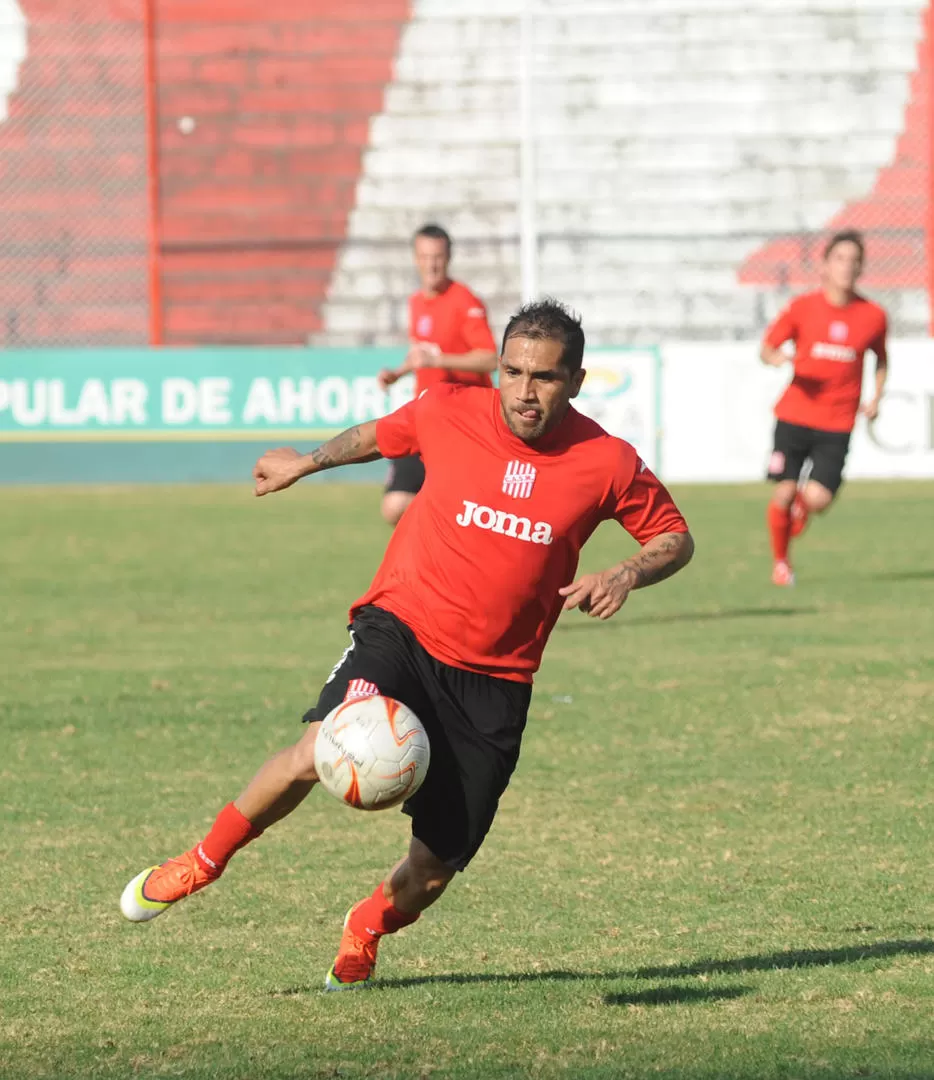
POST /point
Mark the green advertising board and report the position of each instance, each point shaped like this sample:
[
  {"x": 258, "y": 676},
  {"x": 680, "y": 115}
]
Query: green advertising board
[
  {"x": 180, "y": 414},
  {"x": 188, "y": 394},
  {"x": 206, "y": 414}
]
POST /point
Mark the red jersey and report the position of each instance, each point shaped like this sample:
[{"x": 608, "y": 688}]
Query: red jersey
[
  {"x": 454, "y": 320},
  {"x": 475, "y": 564},
  {"x": 830, "y": 343}
]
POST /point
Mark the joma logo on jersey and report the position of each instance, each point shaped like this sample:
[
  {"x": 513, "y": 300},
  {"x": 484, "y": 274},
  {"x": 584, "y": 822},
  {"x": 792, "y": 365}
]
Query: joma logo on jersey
[
  {"x": 823, "y": 350},
  {"x": 498, "y": 521}
]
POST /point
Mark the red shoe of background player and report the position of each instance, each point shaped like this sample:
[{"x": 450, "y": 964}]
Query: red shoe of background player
[
  {"x": 799, "y": 515},
  {"x": 782, "y": 574}
]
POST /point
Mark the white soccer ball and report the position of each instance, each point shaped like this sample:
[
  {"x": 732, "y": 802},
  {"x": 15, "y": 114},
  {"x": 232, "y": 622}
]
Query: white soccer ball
[{"x": 371, "y": 753}]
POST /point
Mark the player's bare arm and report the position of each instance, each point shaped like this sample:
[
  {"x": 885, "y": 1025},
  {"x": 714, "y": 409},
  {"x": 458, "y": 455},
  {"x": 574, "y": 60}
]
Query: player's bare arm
[
  {"x": 423, "y": 354},
  {"x": 281, "y": 468},
  {"x": 871, "y": 408},
  {"x": 483, "y": 360},
  {"x": 602, "y": 595}
]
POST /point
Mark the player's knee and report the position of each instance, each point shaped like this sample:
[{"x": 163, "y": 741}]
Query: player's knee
[
  {"x": 394, "y": 505},
  {"x": 818, "y": 498},
  {"x": 428, "y": 873},
  {"x": 784, "y": 495},
  {"x": 302, "y": 755},
  {"x": 431, "y": 883}
]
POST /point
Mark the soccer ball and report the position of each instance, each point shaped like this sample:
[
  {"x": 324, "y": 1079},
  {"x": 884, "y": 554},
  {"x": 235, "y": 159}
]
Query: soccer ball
[{"x": 371, "y": 753}]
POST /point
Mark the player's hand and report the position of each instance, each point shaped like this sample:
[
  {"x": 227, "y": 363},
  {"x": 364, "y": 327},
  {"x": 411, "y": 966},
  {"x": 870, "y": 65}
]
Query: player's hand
[
  {"x": 870, "y": 410},
  {"x": 599, "y": 595},
  {"x": 776, "y": 358},
  {"x": 386, "y": 378},
  {"x": 277, "y": 469},
  {"x": 422, "y": 354}
]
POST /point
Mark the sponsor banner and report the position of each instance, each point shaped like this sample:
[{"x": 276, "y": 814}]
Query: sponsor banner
[
  {"x": 621, "y": 392},
  {"x": 246, "y": 394},
  {"x": 717, "y": 419},
  {"x": 188, "y": 394}
]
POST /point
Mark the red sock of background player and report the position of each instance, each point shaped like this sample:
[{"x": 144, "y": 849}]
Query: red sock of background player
[
  {"x": 230, "y": 832},
  {"x": 780, "y": 531},
  {"x": 376, "y": 916}
]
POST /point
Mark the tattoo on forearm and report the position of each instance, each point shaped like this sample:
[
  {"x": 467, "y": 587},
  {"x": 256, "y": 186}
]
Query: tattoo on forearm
[
  {"x": 658, "y": 561},
  {"x": 342, "y": 449}
]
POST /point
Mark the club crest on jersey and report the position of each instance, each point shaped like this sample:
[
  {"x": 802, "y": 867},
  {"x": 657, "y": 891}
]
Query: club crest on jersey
[
  {"x": 519, "y": 479},
  {"x": 423, "y": 326},
  {"x": 499, "y": 521},
  {"x": 838, "y": 331},
  {"x": 360, "y": 688}
]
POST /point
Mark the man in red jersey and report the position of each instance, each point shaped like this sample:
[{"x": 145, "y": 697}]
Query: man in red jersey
[
  {"x": 832, "y": 328},
  {"x": 451, "y": 342},
  {"x": 455, "y": 622}
]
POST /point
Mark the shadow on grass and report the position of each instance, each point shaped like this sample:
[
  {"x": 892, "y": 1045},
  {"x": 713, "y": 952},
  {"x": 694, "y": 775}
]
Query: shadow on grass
[
  {"x": 906, "y": 575},
  {"x": 792, "y": 958},
  {"x": 694, "y": 616},
  {"x": 663, "y": 995},
  {"x": 678, "y": 995}
]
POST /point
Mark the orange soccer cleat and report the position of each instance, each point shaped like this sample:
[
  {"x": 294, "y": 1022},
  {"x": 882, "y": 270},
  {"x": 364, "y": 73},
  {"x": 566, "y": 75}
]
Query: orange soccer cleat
[
  {"x": 782, "y": 574},
  {"x": 356, "y": 959},
  {"x": 157, "y": 888}
]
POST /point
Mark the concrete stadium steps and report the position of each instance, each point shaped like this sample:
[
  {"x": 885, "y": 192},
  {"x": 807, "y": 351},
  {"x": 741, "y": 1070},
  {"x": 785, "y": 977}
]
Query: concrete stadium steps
[{"x": 660, "y": 128}]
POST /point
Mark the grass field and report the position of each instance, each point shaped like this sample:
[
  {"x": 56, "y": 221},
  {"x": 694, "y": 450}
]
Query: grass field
[{"x": 715, "y": 859}]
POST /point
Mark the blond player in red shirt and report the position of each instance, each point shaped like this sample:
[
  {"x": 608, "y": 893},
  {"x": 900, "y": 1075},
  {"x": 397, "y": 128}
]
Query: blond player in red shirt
[
  {"x": 832, "y": 329},
  {"x": 456, "y": 619},
  {"x": 451, "y": 342}
]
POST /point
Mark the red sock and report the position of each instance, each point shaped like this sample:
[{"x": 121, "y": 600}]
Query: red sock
[
  {"x": 230, "y": 832},
  {"x": 377, "y": 916},
  {"x": 780, "y": 530}
]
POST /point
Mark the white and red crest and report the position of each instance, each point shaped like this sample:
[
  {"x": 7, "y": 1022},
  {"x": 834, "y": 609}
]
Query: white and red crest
[
  {"x": 839, "y": 331},
  {"x": 423, "y": 326},
  {"x": 360, "y": 688},
  {"x": 519, "y": 479}
]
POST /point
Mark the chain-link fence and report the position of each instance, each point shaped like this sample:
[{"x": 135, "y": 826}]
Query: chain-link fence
[
  {"x": 73, "y": 200},
  {"x": 669, "y": 169}
]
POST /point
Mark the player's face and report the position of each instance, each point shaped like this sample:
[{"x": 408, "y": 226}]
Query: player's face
[
  {"x": 535, "y": 388},
  {"x": 843, "y": 266},
  {"x": 431, "y": 261}
]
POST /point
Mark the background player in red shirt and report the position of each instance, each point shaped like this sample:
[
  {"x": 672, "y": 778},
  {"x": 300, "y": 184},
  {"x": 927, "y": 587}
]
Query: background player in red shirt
[
  {"x": 832, "y": 328},
  {"x": 455, "y": 622},
  {"x": 451, "y": 341}
]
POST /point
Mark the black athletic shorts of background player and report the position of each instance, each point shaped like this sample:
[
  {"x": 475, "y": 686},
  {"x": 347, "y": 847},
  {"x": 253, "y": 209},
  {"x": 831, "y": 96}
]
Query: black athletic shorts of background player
[
  {"x": 406, "y": 474},
  {"x": 474, "y": 724},
  {"x": 794, "y": 444}
]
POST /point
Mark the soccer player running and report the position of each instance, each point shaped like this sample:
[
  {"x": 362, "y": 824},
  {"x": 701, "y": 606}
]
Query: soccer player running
[
  {"x": 832, "y": 328},
  {"x": 451, "y": 342},
  {"x": 456, "y": 619}
]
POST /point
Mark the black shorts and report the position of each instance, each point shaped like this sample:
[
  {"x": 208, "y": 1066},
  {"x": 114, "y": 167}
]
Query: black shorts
[
  {"x": 795, "y": 444},
  {"x": 406, "y": 474},
  {"x": 474, "y": 724}
]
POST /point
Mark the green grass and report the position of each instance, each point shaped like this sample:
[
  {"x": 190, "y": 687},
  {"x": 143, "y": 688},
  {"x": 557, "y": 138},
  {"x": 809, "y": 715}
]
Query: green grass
[{"x": 715, "y": 859}]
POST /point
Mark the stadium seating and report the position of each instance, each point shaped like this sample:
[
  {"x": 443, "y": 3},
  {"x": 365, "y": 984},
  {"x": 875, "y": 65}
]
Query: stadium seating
[
  {"x": 676, "y": 144},
  {"x": 687, "y": 153}
]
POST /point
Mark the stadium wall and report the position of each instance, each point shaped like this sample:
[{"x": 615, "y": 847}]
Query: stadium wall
[
  {"x": 257, "y": 184},
  {"x": 696, "y": 413}
]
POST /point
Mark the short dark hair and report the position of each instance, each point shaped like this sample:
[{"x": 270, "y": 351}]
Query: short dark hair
[
  {"x": 847, "y": 236},
  {"x": 550, "y": 320},
  {"x": 434, "y": 232}
]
